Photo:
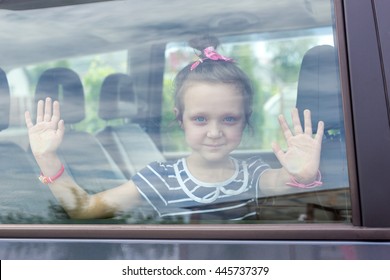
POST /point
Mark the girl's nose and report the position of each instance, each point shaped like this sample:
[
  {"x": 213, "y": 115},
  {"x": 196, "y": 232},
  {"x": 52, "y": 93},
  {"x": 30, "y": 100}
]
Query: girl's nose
[{"x": 214, "y": 131}]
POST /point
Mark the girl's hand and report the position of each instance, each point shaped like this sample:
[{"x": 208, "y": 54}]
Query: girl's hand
[
  {"x": 302, "y": 157},
  {"x": 47, "y": 134}
]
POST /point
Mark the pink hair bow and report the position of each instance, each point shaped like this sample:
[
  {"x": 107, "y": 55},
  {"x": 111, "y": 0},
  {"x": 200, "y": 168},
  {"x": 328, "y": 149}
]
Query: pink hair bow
[{"x": 210, "y": 53}]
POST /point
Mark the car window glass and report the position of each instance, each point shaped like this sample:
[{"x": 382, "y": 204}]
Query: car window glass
[{"x": 113, "y": 74}]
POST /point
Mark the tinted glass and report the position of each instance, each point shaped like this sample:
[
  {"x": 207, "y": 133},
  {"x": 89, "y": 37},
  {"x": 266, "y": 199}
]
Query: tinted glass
[{"x": 112, "y": 66}]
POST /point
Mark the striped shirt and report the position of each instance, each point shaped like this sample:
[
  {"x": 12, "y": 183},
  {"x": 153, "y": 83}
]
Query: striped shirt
[{"x": 172, "y": 191}]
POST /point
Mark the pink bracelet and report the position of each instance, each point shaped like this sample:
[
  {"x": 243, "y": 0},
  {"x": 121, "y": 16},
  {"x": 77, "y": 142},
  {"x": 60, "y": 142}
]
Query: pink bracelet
[
  {"x": 48, "y": 180},
  {"x": 294, "y": 183}
]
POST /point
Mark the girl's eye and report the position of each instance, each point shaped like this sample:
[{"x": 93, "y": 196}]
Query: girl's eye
[
  {"x": 230, "y": 119},
  {"x": 200, "y": 119}
]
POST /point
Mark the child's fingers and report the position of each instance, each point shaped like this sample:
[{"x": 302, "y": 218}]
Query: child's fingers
[
  {"x": 279, "y": 153},
  {"x": 296, "y": 121},
  {"x": 56, "y": 112},
  {"x": 40, "y": 107},
  {"x": 307, "y": 120},
  {"x": 48, "y": 110},
  {"x": 61, "y": 129},
  {"x": 284, "y": 126},
  {"x": 320, "y": 132},
  {"x": 27, "y": 118}
]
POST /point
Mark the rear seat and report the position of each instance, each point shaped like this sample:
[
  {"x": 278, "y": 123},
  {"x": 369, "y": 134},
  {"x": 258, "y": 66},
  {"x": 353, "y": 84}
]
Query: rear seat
[
  {"x": 319, "y": 91},
  {"x": 83, "y": 156},
  {"x": 22, "y": 198},
  {"x": 129, "y": 145}
]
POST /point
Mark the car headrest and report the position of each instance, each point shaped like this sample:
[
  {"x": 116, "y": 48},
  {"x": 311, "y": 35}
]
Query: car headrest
[
  {"x": 117, "y": 97},
  {"x": 63, "y": 84},
  {"x": 319, "y": 87},
  {"x": 4, "y": 100}
]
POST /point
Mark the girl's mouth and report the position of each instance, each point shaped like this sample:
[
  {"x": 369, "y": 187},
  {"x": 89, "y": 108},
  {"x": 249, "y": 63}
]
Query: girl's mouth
[{"x": 214, "y": 146}]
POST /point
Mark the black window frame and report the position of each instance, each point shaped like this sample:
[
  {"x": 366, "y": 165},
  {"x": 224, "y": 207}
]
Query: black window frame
[
  {"x": 366, "y": 93},
  {"x": 361, "y": 72}
]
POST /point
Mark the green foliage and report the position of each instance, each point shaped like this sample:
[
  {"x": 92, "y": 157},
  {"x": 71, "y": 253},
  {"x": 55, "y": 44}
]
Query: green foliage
[{"x": 287, "y": 57}]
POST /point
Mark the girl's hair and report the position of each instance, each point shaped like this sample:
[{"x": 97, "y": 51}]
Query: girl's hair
[{"x": 213, "y": 72}]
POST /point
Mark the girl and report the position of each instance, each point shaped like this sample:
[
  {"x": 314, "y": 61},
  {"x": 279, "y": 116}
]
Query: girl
[{"x": 213, "y": 100}]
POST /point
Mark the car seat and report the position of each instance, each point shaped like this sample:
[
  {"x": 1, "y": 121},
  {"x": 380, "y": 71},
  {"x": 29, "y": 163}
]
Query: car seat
[
  {"x": 129, "y": 145},
  {"x": 319, "y": 91},
  {"x": 22, "y": 198}
]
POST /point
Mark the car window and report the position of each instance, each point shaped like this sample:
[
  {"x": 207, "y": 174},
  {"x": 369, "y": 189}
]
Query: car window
[{"x": 113, "y": 74}]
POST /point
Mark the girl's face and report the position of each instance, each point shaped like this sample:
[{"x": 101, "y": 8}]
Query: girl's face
[{"x": 213, "y": 120}]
